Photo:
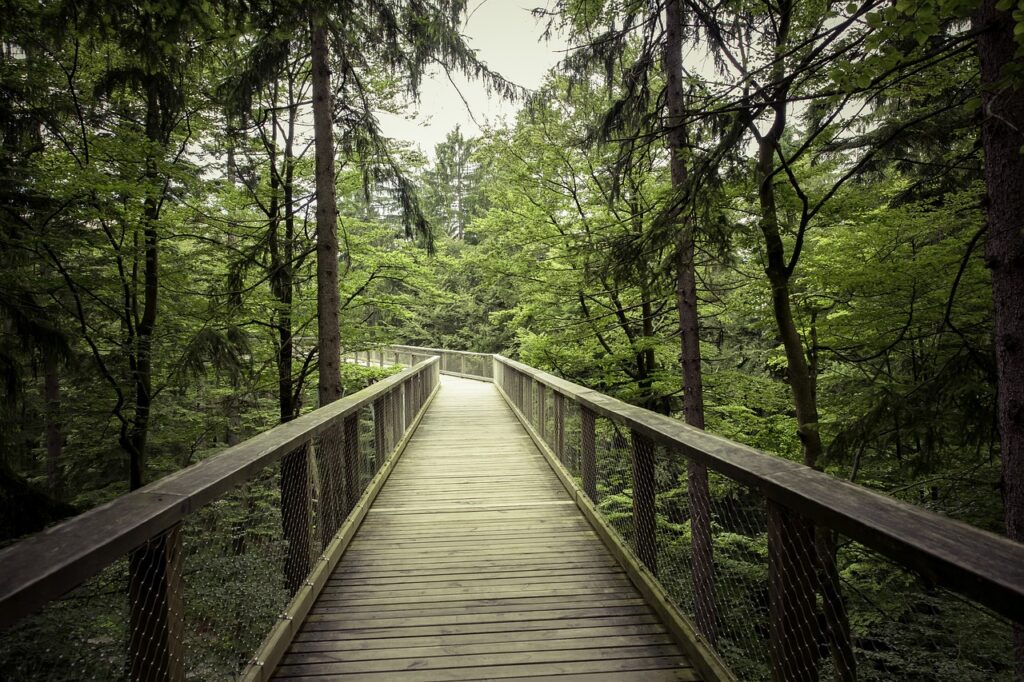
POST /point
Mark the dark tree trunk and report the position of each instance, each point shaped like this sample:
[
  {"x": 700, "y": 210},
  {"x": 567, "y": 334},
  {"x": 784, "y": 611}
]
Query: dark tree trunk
[
  {"x": 1003, "y": 136},
  {"x": 155, "y": 576},
  {"x": 294, "y": 483},
  {"x": 814, "y": 551},
  {"x": 141, "y": 356},
  {"x": 327, "y": 300},
  {"x": 689, "y": 330}
]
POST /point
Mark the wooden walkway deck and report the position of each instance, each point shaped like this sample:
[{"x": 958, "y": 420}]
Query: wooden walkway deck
[{"x": 473, "y": 563}]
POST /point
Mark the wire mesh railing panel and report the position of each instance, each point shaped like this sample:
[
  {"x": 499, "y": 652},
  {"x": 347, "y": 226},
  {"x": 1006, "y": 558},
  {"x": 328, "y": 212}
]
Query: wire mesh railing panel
[
  {"x": 81, "y": 636},
  {"x": 614, "y": 476},
  {"x": 902, "y": 627},
  {"x": 234, "y": 585},
  {"x": 726, "y": 592}
]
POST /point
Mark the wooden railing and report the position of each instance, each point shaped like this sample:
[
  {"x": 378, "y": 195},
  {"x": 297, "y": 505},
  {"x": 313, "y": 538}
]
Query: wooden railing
[{"x": 153, "y": 581}]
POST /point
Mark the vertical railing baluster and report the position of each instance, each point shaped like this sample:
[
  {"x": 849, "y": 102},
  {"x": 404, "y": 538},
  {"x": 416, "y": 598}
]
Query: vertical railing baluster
[
  {"x": 560, "y": 426},
  {"x": 699, "y": 497},
  {"x": 156, "y": 614},
  {"x": 408, "y": 407},
  {"x": 380, "y": 430},
  {"x": 542, "y": 417}
]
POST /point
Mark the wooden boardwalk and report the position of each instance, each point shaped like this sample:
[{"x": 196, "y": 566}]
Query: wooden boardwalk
[{"x": 473, "y": 563}]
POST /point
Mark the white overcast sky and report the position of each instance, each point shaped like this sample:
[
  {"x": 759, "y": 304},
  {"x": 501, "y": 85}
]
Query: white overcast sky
[{"x": 508, "y": 39}]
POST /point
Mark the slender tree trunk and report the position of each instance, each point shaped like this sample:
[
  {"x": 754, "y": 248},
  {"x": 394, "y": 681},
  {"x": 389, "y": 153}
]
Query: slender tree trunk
[
  {"x": 819, "y": 546},
  {"x": 327, "y": 301},
  {"x": 142, "y": 360},
  {"x": 1003, "y": 137},
  {"x": 689, "y": 330},
  {"x": 155, "y": 574},
  {"x": 331, "y": 450},
  {"x": 54, "y": 433},
  {"x": 294, "y": 483}
]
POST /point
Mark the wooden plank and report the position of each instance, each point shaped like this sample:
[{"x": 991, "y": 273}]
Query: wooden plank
[
  {"x": 306, "y": 634},
  {"x": 538, "y": 605},
  {"x": 443, "y": 662},
  {"x": 473, "y": 605},
  {"x": 534, "y": 575},
  {"x": 453, "y": 649},
  {"x": 502, "y": 637},
  {"x": 519, "y": 670}
]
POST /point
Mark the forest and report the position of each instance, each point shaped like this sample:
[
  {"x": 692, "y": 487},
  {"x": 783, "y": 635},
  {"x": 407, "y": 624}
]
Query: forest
[{"x": 794, "y": 224}]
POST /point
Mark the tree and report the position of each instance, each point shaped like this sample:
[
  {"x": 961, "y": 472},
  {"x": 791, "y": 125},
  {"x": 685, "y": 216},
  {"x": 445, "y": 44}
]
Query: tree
[{"x": 1000, "y": 50}]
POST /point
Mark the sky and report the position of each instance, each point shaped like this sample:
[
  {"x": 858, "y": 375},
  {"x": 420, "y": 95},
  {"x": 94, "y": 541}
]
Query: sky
[{"x": 508, "y": 39}]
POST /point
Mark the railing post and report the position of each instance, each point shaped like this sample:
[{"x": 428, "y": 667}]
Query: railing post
[
  {"x": 644, "y": 517},
  {"x": 560, "y": 426},
  {"x": 155, "y": 589},
  {"x": 699, "y": 498},
  {"x": 588, "y": 452},
  {"x": 408, "y": 407},
  {"x": 393, "y": 410},
  {"x": 542, "y": 417},
  {"x": 462, "y": 364},
  {"x": 792, "y": 642}
]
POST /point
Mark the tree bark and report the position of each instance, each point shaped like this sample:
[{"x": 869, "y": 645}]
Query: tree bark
[
  {"x": 689, "y": 330},
  {"x": 327, "y": 300},
  {"x": 1002, "y": 134}
]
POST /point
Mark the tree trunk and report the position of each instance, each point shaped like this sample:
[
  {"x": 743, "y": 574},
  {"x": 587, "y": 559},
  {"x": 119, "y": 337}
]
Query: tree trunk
[
  {"x": 689, "y": 331},
  {"x": 327, "y": 301},
  {"x": 141, "y": 357},
  {"x": 1003, "y": 136},
  {"x": 155, "y": 570}
]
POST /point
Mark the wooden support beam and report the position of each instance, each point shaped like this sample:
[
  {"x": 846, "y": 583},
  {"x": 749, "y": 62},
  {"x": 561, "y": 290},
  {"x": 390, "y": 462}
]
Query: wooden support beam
[
  {"x": 560, "y": 427},
  {"x": 542, "y": 417},
  {"x": 380, "y": 430},
  {"x": 155, "y": 622},
  {"x": 588, "y": 452}
]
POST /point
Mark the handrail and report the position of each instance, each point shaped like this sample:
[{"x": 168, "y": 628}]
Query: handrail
[
  {"x": 48, "y": 564},
  {"x": 460, "y": 363},
  {"x": 440, "y": 350},
  {"x": 981, "y": 565}
]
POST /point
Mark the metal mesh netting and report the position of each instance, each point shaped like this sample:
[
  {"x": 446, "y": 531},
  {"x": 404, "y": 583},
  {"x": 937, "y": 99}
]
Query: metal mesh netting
[
  {"x": 198, "y": 600},
  {"x": 774, "y": 595}
]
